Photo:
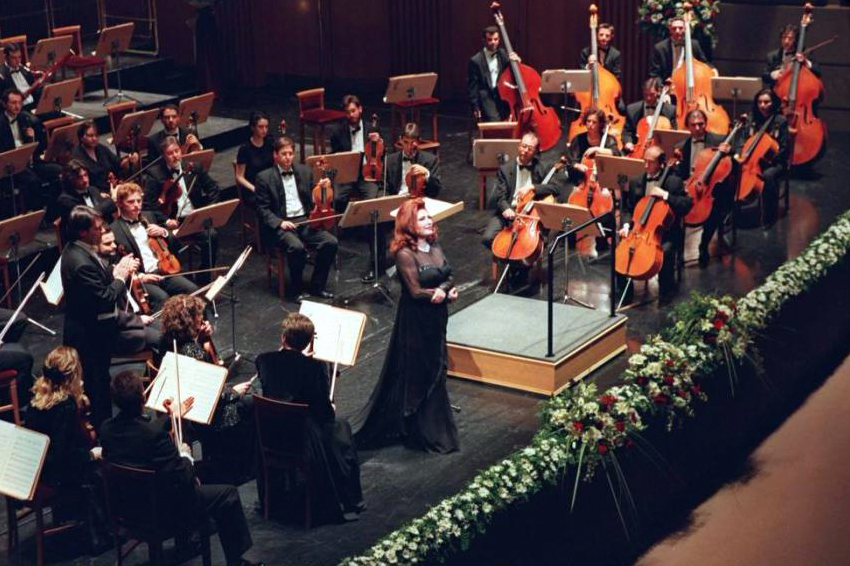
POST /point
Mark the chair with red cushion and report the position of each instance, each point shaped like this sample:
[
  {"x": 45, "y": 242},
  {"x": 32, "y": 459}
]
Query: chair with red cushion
[
  {"x": 312, "y": 112},
  {"x": 80, "y": 63}
]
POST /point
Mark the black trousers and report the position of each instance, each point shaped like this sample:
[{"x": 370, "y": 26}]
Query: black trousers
[
  {"x": 724, "y": 199},
  {"x": 667, "y": 275},
  {"x": 770, "y": 194},
  {"x": 158, "y": 293},
  {"x": 95, "y": 346},
  {"x": 39, "y": 186},
  {"x": 292, "y": 243},
  {"x": 493, "y": 108},
  {"x": 205, "y": 245},
  {"x": 16, "y": 356},
  {"x": 222, "y": 503}
]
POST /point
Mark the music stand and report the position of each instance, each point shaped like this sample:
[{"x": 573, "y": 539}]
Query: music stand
[
  {"x": 63, "y": 141},
  {"x": 345, "y": 166},
  {"x": 16, "y": 232},
  {"x": 372, "y": 211},
  {"x": 202, "y": 158},
  {"x": 734, "y": 89},
  {"x": 57, "y": 96},
  {"x": 195, "y": 109},
  {"x": 565, "y": 81},
  {"x": 405, "y": 88},
  {"x": 487, "y": 157},
  {"x": 13, "y": 162},
  {"x": 669, "y": 139},
  {"x": 612, "y": 171},
  {"x": 134, "y": 125},
  {"x": 206, "y": 218},
  {"x": 560, "y": 218},
  {"x": 498, "y": 130},
  {"x": 49, "y": 50},
  {"x": 112, "y": 41}
]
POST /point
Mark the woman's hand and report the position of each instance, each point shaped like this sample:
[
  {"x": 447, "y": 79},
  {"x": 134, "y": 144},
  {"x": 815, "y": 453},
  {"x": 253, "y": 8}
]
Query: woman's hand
[
  {"x": 439, "y": 296},
  {"x": 453, "y": 293}
]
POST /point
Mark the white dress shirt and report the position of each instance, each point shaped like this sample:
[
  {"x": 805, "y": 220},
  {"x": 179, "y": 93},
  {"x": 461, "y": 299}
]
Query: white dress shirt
[
  {"x": 15, "y": 126},
  {"x": 290, "y": 189},
  {"x": 523, "y": 179},
  {"x": 184, "y": 203},
  {"x": 21, "y": 84},
  {"x": 140, "y": 234},
  {"x": 493, "y": 65}
]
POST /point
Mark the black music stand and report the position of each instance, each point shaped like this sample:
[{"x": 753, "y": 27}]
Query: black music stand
[
  {"x": 217, "y": 286},
  {"x": 372, "y": 211},
  {"x": 13, "y": 162},
  {"x": 206, "y": 218},
  {"x": 112, "y": 41},
  {"x": 16, "y": 232},
  {"x": 57, "y": 96},
  {"x": 562, "y": 218},
  {"x": 735, "y": 89},
  {"x": 564, "y": 82}
]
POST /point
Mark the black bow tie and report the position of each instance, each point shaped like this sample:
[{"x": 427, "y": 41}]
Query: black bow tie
[
  {"x": 174, "y": 172},
  {"x": 289, "y": 173},
  {"x": 355, "y": 130},
  {"x": 13, "y": 71},
  {"x": 133, "y": 222},
  {"x": 406, "y": 159},
  {"x": 526, "y": 167},
  {"x": 650, "y": 108}
]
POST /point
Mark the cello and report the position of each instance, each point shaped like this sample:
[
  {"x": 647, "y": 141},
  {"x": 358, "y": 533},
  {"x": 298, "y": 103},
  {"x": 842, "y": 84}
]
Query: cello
[
  {"x": 589, "y": 195},
  {"x": 519, "y": 87},
  {"x": 646, "y": 128},
  {"x": 373, "y": 168},
  {"x": 640, "y": 255},
  {"x": 710, "y": 169},
  {"x": 323, "y": 216},
  {"x": 692, "y": 86},
  {"x": 758, "y": 147},
  {"x": 605, "y": 90},
  {"x": 799, "y": 90}
]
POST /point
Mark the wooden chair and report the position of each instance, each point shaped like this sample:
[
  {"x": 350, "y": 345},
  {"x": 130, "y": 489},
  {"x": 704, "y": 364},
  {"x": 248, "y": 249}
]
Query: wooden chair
[
  {"x": 20, "y": 41},
  {"x": 9, "y": 380},
  {"x": 145, "y": 357},
  {"x": 276, "y": 265},
  {"x": 137, "y": 509},
  {"x": 312, "y": 112},
  {"x": 80, "y": 63},
  {"x": 116, "y": 113},
  {"x": 282, "y": 430},
  {"x": 45, "y": 497}
]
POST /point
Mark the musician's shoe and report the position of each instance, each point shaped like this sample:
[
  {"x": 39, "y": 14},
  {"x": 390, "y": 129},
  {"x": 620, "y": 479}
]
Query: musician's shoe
[
  {"x": 703, "y": 258},
  {"x": 300, "y": 298},
  {"x": 323, "y": 294},
  {"x": 368, "y": 277}
]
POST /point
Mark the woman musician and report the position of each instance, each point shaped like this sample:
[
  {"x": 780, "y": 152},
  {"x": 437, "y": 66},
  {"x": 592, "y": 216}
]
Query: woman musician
[{"x": 104, "y": 167}]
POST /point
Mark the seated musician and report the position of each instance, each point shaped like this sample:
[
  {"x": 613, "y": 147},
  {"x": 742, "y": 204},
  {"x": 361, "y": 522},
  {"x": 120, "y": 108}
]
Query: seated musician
[
  {"x": 19, "y": 127},
  {"x": 204, "y": 191},
  {"x": 291, "y": 374},
  {"x": 352, "y": 136},
  {"x": 254, "y": 155},
  {"x": 765, "y": 105},
  {"x": 609, "y": 56},
  {"x": 724, "y": 193},
  {"x": 171, "y": 128},
  {"x": 133, "y": 229},
  {"x": 284, "y": 200},
  {"x": 587, "y": 143},
  {"x": 13, "y": 74},
  {"x": 779, "y": 60},
  {"x": 134, "y": 438},
  {"x": 77, "y": 190},
  {"x": 104, "y": 167},
  {"x": 673, "y": 193},
  {"x": 669, "y": 54},
  {"x": 483, "y": 71},
  {"x": 637, "y": 111}
]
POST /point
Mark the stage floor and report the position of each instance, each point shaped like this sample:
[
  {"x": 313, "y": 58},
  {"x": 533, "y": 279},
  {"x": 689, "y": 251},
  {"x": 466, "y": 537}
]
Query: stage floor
[{"x": 400, "y": 484}]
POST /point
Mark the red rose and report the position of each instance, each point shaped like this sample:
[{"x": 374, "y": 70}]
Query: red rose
[
  {"x": 607, "y": 400},
  {"x": 718, "y": 323},
  {"x": 669, "y": 363},
  {"x": 620, "y": 426},
  {"x": 660, "y": 399},
  {"x": 578, "y": 426},
  {"x": 641, "y": 381},
  {"x": 602, "y": 449},
  {"x": 682, "y": 394},
  {"x": 668, "y": 379}
]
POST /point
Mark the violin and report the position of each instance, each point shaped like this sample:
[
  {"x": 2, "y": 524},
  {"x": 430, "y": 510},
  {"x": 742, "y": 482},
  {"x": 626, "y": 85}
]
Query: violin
[
  {"x": 646, "y": 128},
  {"x": 519, "y": 87},
  {"x": 605, "y": 90},
  {"x": 640, "y": 255},
  {"x": 209, "y": 347},
  {"x": 758, "y": 148},
  {"x": 710, "y": 169},
  {"x": 692, "y": 85},
  {"x": 800, "y": 91},
  {"x": 373, "y": 169},
  {"x": 415, "y": 183},
  {"x": 140, "y": 294},
  {"x": 166, "y": 262},
  {"x": 171, "y": 191},
  {"x": 191, "y": 129},
  {"x": 323, "y": 216}
]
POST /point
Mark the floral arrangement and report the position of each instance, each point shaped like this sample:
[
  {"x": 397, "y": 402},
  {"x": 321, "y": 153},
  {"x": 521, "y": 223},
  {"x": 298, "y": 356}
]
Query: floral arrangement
[
  {"x": 654, "y": 16},
  {"x": 583, "y": 429}
]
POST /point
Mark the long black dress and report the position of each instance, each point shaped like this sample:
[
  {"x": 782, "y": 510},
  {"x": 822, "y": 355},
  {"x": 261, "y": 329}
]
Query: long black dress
[{"x": 410, "y": 401}]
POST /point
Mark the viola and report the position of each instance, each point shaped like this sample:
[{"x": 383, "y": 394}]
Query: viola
[
  {"x": 415, "y": 183},
  {"x": 692, "y": 85},
  {"x": 800, "y": 91},
  {"x": 519, "y": 87},
  {"x": 140, "y": 294},
  {"x": 166, "y": 262},
  {"x": 373, "y": 169},
  {"x": 640, "y": 255},
  {"x": 323, "y": 216},
  {"x": 605, "y": 90},
  {"x": 191, "y": 130},
  {"x": 171, "y": 191},
  {"x": 759, "y": 147},
  {"x": 710, "y": 169},
  {"x": 646, "y": 128}
]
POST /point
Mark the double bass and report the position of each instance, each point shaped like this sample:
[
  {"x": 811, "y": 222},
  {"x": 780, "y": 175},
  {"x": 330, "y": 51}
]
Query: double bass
[
  {"x": 640, "y": 255},
  {"x": 605, "y": 90},
  {"x": 710, "y": 169},
  {"x": 646, "y": 128},
  {"x": 799, "y": 91},
  {"x": 519, "y": 87},
  {"x": 759, "y": 147},
  {"x": 692, "y": 86}
]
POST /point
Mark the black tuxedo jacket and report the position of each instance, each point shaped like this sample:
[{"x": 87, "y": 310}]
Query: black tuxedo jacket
[
  {"x": 287, "y": 375},
  {"x": 204, "y": 192},
  {"x": 428, "y": 160},
  {"x": 155, "y": 140},
  {"x": 271, "y": 199},
  {"x": 124, "y": 238},
  {"x": 613, "y": 60},
  {"x": 69, "y": 198},
  {"x": 478, "y": 77},
  {"x": 23, "y": 121},
  {"x": 6, "y": 80},
  {"x": 711, "y": 140},
  {"x": 774, "y": 61},
  {"x": 99, "y": 169},
  {"x": 661, "y": 62},
  {"x": 506, "y": 184},
  {"x": 634, "y": 114},
  {"x": 678, "y": 200},
  {"x": 340, "y": 135}
]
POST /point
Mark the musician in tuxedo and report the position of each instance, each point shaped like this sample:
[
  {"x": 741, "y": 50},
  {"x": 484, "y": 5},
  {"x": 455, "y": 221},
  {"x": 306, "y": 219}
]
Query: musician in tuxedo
[
  {"x": 671, "y": 192},
  {"x": 16, "y": 356},
  {"x": 724, "y": 193},
  {"x": 637, "y": 111},
  {"x": 19, "y": 127},
  {"x": 204, "y": 192},
  {"x": 171, "y": 128},
  {"x": 133, "y": 229},
  {"x": 352, "y": 135},
  {"x": 608, "y": 55},
  {"x": 786, "y": 54},
  {"x": 77, "y": 190},
  {"x": 668, "y": 54},
  {"x": 92, "y": 289},
  {"x": 13, "y": 74},
  {"x": 104, "y": 167},
  {"x": 283, "y": 202},
  {"x": 483, "y": 71},
  {"x": 134, "y": 438}
]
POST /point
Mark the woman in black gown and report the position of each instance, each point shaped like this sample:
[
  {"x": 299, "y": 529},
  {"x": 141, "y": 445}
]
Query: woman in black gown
[{"x": 410, "y": 401}]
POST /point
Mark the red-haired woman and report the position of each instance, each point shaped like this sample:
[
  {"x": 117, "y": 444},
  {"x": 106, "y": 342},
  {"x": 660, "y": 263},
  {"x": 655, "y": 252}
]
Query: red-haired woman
[{"x": 410, "y": 401}]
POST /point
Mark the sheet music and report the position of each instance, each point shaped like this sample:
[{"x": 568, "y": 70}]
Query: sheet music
[
  {"x": 198, "y": 379},
  {"x": 20, "y": 460},
  {"x": 221, "y": 281},
  {"x": 437, "y": 209},
  {"x": 52, "y": 288},
  {"x": 331, "y": 322}
]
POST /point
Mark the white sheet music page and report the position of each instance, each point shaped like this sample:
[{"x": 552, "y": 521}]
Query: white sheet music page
[
  {"x": 52, "y": 288},
  {"x": 198, "y": 379},
  {"x": 331, "y": 322},
  {"x": 21, "y": 460}
]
